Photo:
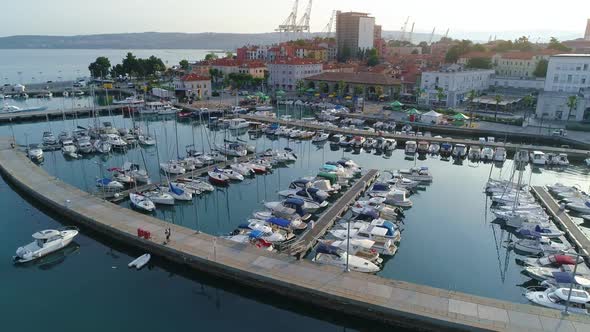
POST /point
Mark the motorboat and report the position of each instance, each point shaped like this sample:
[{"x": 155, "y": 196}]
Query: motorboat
[
  {"x": 242, "y": 169},
  {"x": 232, "y": 175},
  {"x": 146, "y": 140},
  {"x": 540, "y": 245},
  {"x": 420, "y": 174},
  {"x": 544, "y": 273},
  {"x": 500, "y": 155},
  {"x": 474, "y": 152},
  {"x": 422, "y": 147},
  {"x": 45, "y": 242},
  {"x": 172, "y": 167},
  {"x": 168, "y": 110},
  {"x": 552, "y": 260},
  {"x": 196, "y": 184},
  {"x": 379, "y": 189},
  {"x": 389, "y": 144},
  {"x": 558, "y": 298},
  {"x": 141, "y": 202},
  {"x": 369, "y": 143},
  {"x": 411, "y": 147},
  {"x": 566, "y": 280},
  {"x": 151, "y": 108},
  {"x": 232, "y": 150},
  {"x": 459, "y": 151},
  {"x": 159, "y": 197},
  {"x": 296, "y": 186},
  {"x": 34, "y": 152},
  {"x": 557, "y": 160},
  {"x": 487, "y": 154},
  {"x": 120, "y": 175},
  {"x": 434, "y": 148},
  {"x": 133, "y": 101},
  {"x": 362, "y": 248},
  {"x": 64, "y": 136},
  {"x": 446, "y": 149},
  {"x": 538, "y": 158},
  {"x": 69, "y": 149},
  {"x": 16, "y": 109},
  {"x": 238, "y": 123},
  {"x": 377, "y": 205},
  {"x": 291, "y": 207},
  {"x": 101, "y": 146},
  {"x": 109, "y": 184},
  {"x": 308, "y": 195},
  {"x": 218, "y": 177},
  {"x": 84, "y": 145},
  {"x": 116, "y": 141},
  {"x": 48, "y": 139},
  {"x": 140, "y": 261},
  {"x": 581, "y": 206},
  {"x": 339, "y": 258},
  {"x": 179, "y": 194},
  {"x": 358, "y": 141}
]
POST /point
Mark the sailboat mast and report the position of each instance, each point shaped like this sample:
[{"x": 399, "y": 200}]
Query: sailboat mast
[{"x": 158, "y": 156}]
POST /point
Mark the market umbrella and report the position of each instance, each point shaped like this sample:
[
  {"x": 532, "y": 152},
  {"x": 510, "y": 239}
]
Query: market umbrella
[
  {"x": 413, "y": 111},
  {"x": 396, "y": 104},
  {"x": 460, "y": 117}
]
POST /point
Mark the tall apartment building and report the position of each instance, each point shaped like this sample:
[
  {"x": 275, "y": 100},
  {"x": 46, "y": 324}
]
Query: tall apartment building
[
  {"x": 567, "y": 75},
  {"x": 587, "y": 34},
  {"x": 354, "y": 31}
]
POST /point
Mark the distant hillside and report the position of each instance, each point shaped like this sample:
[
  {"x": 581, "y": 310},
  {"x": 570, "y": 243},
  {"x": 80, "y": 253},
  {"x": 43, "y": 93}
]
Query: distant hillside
[{"x": 157, "y": 40}]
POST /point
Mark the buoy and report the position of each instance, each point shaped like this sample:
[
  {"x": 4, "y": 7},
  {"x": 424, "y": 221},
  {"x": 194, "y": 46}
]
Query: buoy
[{"x": 117, "y": 195}]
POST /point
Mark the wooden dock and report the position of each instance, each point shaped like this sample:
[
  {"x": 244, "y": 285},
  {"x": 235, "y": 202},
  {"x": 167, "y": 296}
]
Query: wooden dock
[
  {"x": 572, "y": 231},
  {"x": 345, "y": 293},
  {"x": 573, "y": 154},
  {"x": 309, "y": 238}
]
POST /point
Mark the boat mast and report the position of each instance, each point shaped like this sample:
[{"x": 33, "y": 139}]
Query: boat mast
[{"x": 157, "y": 155}]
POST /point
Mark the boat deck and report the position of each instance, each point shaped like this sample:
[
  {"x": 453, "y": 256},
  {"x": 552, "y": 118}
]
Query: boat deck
[
  {"x": 349, "y": 293},
  {"x": 574, "y": 154},
  {"x": 335, "y": 211},
  {"x": 572, "y": 230}
]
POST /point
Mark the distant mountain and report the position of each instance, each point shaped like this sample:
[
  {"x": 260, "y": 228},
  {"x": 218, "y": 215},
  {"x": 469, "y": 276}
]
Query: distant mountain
[{"x": 159, "y": 40}]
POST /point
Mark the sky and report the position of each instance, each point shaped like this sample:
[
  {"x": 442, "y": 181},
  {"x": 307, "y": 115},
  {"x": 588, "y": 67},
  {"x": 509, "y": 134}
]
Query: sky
[{"x": 463, "y": 18}]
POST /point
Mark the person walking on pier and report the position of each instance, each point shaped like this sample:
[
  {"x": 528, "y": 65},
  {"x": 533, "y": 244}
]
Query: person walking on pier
[{"x": 167, "y": 234}]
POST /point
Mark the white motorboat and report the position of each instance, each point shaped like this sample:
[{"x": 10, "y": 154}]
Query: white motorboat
[
  {"x": 242, "y": 169},
  {"x": 538, "y": 158},
  {"x": 238, "y": 123},
  {"x": 146, "y": 140},
  {"x": 46, "y": 242},
  {"x": 434, "y": 148},
  {"x": 141, "y": 202},
  {"x": 218, "y": 177},
  {"x": 84, "y": 145},
  {"x": 376, "y": 204},
  {"x": 540, "y": 273},
  {"x": 172, "y": 167},
  {"x": 580, "y": 206},
  {"x": 339, "y": 258},
  {"x": 389, "y": 144},
  {"x": 129, "y": 101},
  {"x": 197, "y": 184},
  {"x": 587, "y": 161},
  {"x": 109, "y": 185},
  {"x": 69, "y": 149},
  {"x": 397, "y": 197},
  {"x": 552, "y": 260},
  {"x": 48, "y": 139},
  {"x": 121, "y": 176},
  {"x": 500, "y": 155},
  {"x": 232, "y": 175},
  {"x": 298, "y": 204},
  {"x": 116, "y": 141},
  {"x": 357, "y": 247},
  {"x": 101, "y": 146},
  {"x": 474, "y": 152},
  {"x": 294, "y": 222},
  {"x": 557, "y": 299},
  {"x": 459, "y": 151},
  {"x": 136, "y": 173},
  {"x": 320, "y": 137},
  {"x": 168, "y": 110},
  {"x": 34, "y": 152},
  {"x": 411, "y": 147},
  {"x": 487, "y": 154},
  {"x": 420, "y": 174},
  {"x": 539, "y": 246},
  {"x": 159, "y": 197},
  {"x": 380, "y": 231},
  {"x": 140, "y": 261}
]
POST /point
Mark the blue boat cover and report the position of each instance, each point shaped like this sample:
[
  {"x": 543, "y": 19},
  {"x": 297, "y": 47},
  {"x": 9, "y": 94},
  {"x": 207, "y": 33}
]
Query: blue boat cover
[
  {"x": 256, "y": 234},
  {"x": 381, "y": 187},
  {"x": 279, "y": 222},
  {"x": 244, "y": 226},
  {"x": 295, "y": 201},
  {"x": 326, "y": 249},
  {"x": 176, "y": 190},
  {"x": 588, "y": 203},
  {"x": 446, "y": 146},
  {"x": 390, "y": 227},
  {"x": 274, "y": 126},
  {"x": 104, "y": 181},
  {"x": 563, "y": 277},
  {"x": 330, "y": 167},
  {"x": 529, "y": 233}
]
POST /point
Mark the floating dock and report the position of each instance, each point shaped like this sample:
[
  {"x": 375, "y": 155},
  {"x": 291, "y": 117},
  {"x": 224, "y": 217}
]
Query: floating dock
[
  {"x": 572, "y": 231},
  {"x": 308, "y": 239},
  {"x": 574, "y": 154},
  {"x": 348, "y": 293}
]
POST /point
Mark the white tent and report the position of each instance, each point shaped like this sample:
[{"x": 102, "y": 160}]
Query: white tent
[{"x": 432, "y": 117}]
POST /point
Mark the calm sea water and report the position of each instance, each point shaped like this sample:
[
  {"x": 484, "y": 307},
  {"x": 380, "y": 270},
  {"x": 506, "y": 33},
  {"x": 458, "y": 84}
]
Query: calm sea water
[
  {"x": 449, "y": 240},
  {"x": 40, "y": 65}
]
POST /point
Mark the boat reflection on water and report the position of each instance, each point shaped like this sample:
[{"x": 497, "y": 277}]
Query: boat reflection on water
[{"x": 52, "y": 260}]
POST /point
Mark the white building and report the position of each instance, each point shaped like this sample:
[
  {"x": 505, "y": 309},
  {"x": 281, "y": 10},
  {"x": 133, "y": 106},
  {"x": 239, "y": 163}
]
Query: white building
[
  {"x": 567, "y": 75},
  {"x": 194, "y": 86},
  {"x": 455, "y": 82},
  {"x": 284, "y": 74}
]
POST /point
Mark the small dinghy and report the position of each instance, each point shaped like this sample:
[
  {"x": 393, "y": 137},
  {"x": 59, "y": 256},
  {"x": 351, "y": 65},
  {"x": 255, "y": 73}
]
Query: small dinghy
[{"x": 140, "y": 261}]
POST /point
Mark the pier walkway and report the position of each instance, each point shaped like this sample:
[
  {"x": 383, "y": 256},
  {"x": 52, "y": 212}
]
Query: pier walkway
[
  {"x": 327, "y": 219},
  {"x": 367, "y": 296},
  {"x": 510, "y": 147},
  {"x": 564, "y": 222},
  {"x": 44, "y": 114}
]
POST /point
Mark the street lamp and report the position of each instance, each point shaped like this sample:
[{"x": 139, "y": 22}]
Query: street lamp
[{"x": 569, "y": 295}]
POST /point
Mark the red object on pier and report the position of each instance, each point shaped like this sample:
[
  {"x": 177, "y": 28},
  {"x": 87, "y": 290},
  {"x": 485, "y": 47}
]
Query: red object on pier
[
  {"x": 140, "y": 232},
  {"x": 147, "y": 235}
]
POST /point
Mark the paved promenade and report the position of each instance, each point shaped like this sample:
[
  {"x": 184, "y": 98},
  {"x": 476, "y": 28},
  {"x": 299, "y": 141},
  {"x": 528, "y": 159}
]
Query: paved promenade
[{"x": 366, "y": 296}]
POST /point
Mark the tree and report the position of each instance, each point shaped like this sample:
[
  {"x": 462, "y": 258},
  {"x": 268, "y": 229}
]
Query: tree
[
  {"x": 527, "y": 101},
  {"x": 324, "y": 88},
  {"x": 498, "y": 99},
  {"x": 379, "y": 91},
  {"x": 184, "y": 64},
  {"x": 373, "y": 58},
  {"x": 425, "y": 47},
  {"x": 211, "y": 56},
  {"x": 100, "y": 68},
  {"x": 572, "y": 102},
  {"x": 541, "y": 69},
  {"x": 440, "y": 95},
  {"x": 470, "y": 98},
  {"x": 456, "y": 51},
  {"x": 415, "y": 51},
  {"x": 300, "y": 87},
  {"x": 345, "y": 54},
  {"x": 358, "y": 90},
  {"x": 340, "y": 88},
  {"x": 479, "y": 63},
  {"x": 554, "y": 44}
]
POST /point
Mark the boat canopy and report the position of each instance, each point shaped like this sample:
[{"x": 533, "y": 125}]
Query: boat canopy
[
  {"x": 369, "y": 212},
  {"x": 301, "y": 183},
  {"x": 295, "y": 201},
  {"x": 529, "y": 233},
  {"x": 326, "y": 249},
  {"x": 446, "y": 146},
  {"x": 333, "y": 178},
  {"x": 256, "y": 234},
  {"x": 279, "y": 222},
  {"x": 330, "y": 168},
  {"x": 104, "y": 181},
  {"x": 381, "y": 187},
  {"x": 385, "y": 224},
  {"x": 577, "y": 296},
  {"x": 176, "y": 190},
  {"x": 563, "y": 277},
  {"x": 46, "y": 234}
]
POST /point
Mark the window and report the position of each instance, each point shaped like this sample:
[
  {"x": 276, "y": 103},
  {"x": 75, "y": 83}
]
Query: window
[
  {"x": 569, "y": 78},
  {"x": 585, "y": 66}
]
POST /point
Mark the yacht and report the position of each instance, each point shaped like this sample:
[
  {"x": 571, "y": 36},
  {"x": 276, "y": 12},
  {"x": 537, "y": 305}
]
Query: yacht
[
  {"x": 459, "y": 151},
  {"x": 357, "y": 247},
  {"x": 236, "y": 124},
  {"x": 340, "y": 258},
  {"x": 474, "y": 152},
  {"x": 116, "y": 141},
  {"x": 84, "y": 145},
  {"x": 434, "y": 148},
  {"x": 46, "y": 242},
  {"x": 69, "y": 149},
  {"x": 134, "y": 101},
  {"x": 141, "y": 202},
  {"x": 49, "y": 139},
  {"x": 411, "y": 147},
  {"x": 557, "y": 299},
  {"x": 557, "y": 160},
  {"x": 487, "y": 154},
  {"x": 420, "y": 174},
  {"x": 538, "y": 158},
  {"x": 500, "y": 155},
  {"x": 102, "y": 146},
  {"x": 34, "y": 152},
  {"x": 151, "y": 108},
  {"x": 168, "y": 110}
]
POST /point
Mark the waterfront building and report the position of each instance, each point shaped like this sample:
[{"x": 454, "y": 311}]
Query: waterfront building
[
  {"x": 362, "y": 84},
  {"x": 354, "y": 31},
  {"x": 284, "y": 74},
  {"x": 519, "y": 64},
  {"x": 193, "y": 86},
  {"x": 455, "y": 84},
  {"x": 567, "y": 75}
]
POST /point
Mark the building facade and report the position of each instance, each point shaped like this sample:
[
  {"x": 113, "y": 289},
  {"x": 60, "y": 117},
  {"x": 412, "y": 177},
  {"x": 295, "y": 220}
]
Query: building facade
[
  {"x": 354, "y": 31},
  {"x": 284, "y": 74},
  {"x": 568, "y": 75},
  {"x": 193, "y": 86},
  {"x": 519, "y": 64},
  {"x": 361, "y": 84},
  {"x": 455, "y": 84},
  {"x": 587, "y": 34}
]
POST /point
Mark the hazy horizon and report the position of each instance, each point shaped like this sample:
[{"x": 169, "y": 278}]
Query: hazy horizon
[{"x": 504, "y": 19}]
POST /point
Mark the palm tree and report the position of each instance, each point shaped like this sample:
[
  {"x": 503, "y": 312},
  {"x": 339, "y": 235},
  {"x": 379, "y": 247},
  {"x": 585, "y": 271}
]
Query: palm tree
[
  {"x": 340, "y": 88},
  {"x": 498, "y": 99},
  {"x": 300, "y": 86},
  {"x": 440, "y": 94},
  {"x": 471, "y": 97},
  {"x": 572, "y": 102}
]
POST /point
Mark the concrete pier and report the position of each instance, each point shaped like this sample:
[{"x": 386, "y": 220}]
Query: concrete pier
[
  {"x": 348, "y": 293},
  {"x": 574, "y": 154}
]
